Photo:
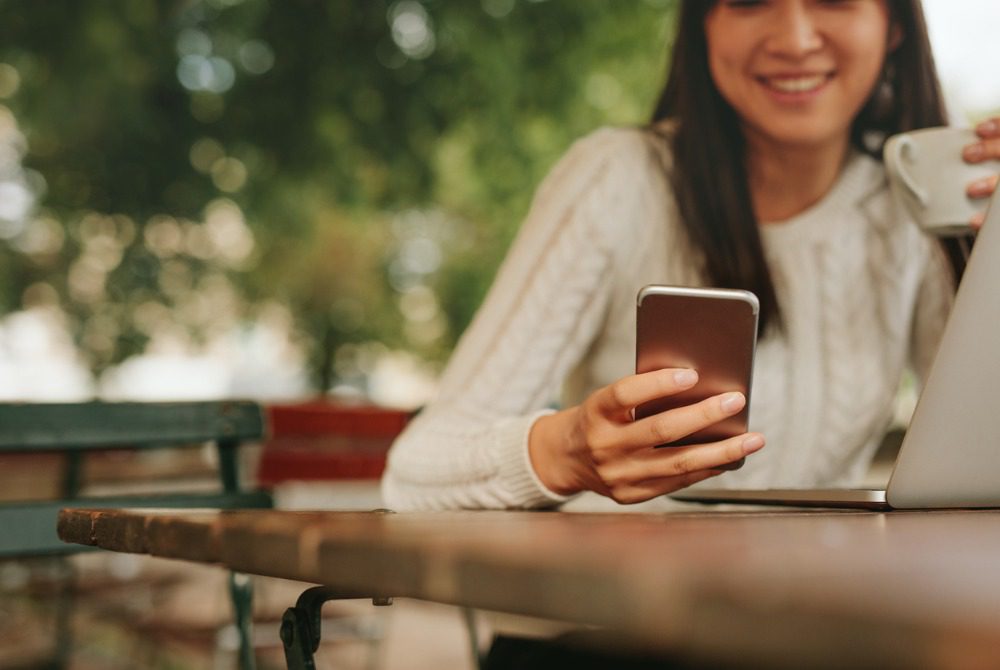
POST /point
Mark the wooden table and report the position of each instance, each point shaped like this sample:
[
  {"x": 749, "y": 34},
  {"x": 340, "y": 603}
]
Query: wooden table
[{"x": 789, "y": 588}]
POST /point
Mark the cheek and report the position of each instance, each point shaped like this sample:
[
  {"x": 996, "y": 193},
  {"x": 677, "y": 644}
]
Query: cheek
[
  {"x": 867, "y": 65},
  {"x": 865, "y": 44},
  {"x": 727, "y": 54},
  {"x": 726, "y": 66}
]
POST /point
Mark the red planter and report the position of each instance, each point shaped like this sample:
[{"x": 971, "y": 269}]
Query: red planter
[{"x": 322, "y": 440}]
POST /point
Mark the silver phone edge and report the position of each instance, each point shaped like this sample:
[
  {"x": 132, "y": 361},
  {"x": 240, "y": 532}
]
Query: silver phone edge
[{"x": 694, "y": 292}]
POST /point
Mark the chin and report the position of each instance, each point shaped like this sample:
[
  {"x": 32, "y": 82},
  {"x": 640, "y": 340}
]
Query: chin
[{"x": 800, "y": 133}]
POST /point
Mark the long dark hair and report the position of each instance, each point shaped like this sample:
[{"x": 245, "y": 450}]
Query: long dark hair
[{"x": 709, "y": 175}]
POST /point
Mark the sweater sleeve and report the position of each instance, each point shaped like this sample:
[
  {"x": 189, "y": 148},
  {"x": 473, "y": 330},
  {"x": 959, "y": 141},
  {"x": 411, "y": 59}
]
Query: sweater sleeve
[
  {"x": 468, "y": 448},
  {"x": 935, "y": 297}
]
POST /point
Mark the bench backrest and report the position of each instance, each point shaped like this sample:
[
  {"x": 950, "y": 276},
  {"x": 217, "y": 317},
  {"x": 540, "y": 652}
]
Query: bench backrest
[{"x": 28, "y": 528}]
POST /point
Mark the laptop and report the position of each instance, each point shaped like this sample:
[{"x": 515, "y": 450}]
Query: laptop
[{"x": 950, "y": 456}]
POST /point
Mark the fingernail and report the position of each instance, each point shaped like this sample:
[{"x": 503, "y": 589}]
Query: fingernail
[
  {"x": 752, "y": 444},
  {"x": 732, "y": 402},
  {"x": 685, "y": 377},
  {"x": 987, "y": 127},
  {"x": 984, "y": 184},
  {"x": 977, "y": 220},
  {"x": 973, "y": 152}
]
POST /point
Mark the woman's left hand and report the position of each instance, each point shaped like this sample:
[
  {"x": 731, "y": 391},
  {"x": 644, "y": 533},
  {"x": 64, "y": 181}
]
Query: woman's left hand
[{"x": 987, "y": 148}]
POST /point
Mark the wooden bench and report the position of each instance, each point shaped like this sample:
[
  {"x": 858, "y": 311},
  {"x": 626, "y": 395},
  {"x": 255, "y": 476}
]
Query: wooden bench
[{"x": 74, "y": 430}]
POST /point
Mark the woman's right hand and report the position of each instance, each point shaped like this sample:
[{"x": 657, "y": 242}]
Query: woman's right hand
[{"x": 596, "y": 446}]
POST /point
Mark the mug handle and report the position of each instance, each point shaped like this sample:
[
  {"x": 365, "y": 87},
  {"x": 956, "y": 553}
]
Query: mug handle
[{"x": 896, "y": 150}]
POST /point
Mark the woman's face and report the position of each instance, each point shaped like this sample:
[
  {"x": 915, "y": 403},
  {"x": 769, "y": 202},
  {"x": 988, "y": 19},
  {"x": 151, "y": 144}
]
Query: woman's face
[{"x": 797, "y": 71}]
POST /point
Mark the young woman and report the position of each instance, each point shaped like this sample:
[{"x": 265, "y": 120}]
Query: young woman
[{"x": 760, "y": 171}]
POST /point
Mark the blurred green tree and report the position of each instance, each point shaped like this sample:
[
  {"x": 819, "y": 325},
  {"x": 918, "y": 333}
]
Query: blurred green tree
[{"x": 365, "y": 163}]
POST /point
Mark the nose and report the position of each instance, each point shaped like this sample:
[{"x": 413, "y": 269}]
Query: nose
[{"x": 794, "y": 32}]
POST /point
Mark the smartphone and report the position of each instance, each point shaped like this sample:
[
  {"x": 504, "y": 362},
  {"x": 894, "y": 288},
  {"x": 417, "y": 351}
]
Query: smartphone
[{"x": 712, "y": 331}]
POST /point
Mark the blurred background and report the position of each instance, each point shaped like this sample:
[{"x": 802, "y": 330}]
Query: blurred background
[
  {"x": 271, "y": 199},
  {"x": 207, "y": 198},
  {"x": 298, "y": 198}
]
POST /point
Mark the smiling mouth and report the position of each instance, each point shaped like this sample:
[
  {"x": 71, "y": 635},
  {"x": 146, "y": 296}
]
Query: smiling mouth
[{"x": 796, "y": 84}]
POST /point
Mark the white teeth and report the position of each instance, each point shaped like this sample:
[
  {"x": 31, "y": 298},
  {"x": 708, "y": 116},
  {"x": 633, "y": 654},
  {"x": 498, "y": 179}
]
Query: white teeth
[{"x": 796, "y": 84}]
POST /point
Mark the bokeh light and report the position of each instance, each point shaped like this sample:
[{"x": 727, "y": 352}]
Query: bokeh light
[
  {"x": 204, "y": 153},
  {"x": 228, "y": 231},
  {"x": 229, "y": 174},
  {"x": 498, "y": 8},
  {"x": 256, "y": 57},
  {"x": 206, "y": 73},
  {"x": 193, "y": 42},
  {"x": 10, "y": 80},
  {"x": 412, "y": 29}
]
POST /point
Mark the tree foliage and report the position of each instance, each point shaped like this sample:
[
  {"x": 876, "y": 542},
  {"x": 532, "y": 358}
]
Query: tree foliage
[{"x": 364, "y": 163}]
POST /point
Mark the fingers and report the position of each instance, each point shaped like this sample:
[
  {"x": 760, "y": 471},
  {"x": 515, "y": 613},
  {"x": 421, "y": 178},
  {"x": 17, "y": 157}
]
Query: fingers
[
  {"x": 684, "y": 467},
  {"x": 650, "y": 464},
  {"x": 653, "y": 488},
  {"x": 615, "y": 455},
  {"x": 985, "y": 149},
  {"x": 982, "y": 188},
  {"x": 625, "y": 394},
  {"x": 989, "y": 128},
  {"x": 674, "y": 424}
]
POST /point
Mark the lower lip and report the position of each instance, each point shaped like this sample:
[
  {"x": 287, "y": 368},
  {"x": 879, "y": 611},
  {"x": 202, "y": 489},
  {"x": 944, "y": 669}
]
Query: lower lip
[{"x": 795, "y": 97}]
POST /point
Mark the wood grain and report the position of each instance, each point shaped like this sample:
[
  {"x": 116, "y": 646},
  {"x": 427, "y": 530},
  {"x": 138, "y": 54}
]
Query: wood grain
[{"x": 827, "y": 589}]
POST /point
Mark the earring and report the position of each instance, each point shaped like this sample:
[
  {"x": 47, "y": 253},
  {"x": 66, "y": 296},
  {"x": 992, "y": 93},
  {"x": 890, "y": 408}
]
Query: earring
[{"x": 883, "y": 100}]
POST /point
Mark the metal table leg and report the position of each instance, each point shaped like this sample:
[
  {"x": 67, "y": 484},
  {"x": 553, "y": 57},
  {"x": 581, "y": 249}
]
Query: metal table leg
[
  {"x": 300, "y": 625},
  {"x": 241, "y": 594}
]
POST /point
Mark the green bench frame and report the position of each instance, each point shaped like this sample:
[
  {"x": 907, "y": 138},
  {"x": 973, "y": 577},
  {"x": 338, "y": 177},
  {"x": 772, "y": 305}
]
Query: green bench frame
[{"x": 74, "y": 429}]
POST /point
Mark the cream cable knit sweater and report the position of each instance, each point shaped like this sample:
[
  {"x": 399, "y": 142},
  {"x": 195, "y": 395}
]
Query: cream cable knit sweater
[{"x": 863, "y": 294}]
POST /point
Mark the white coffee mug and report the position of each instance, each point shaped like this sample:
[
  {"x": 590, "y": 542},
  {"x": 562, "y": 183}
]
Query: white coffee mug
[{"x": 928, "y": 176}]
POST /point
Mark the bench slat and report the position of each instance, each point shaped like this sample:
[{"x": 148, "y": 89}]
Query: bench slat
[
  {"x": 82, "y": 426},
  {"x": 29, "y": 529}
]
